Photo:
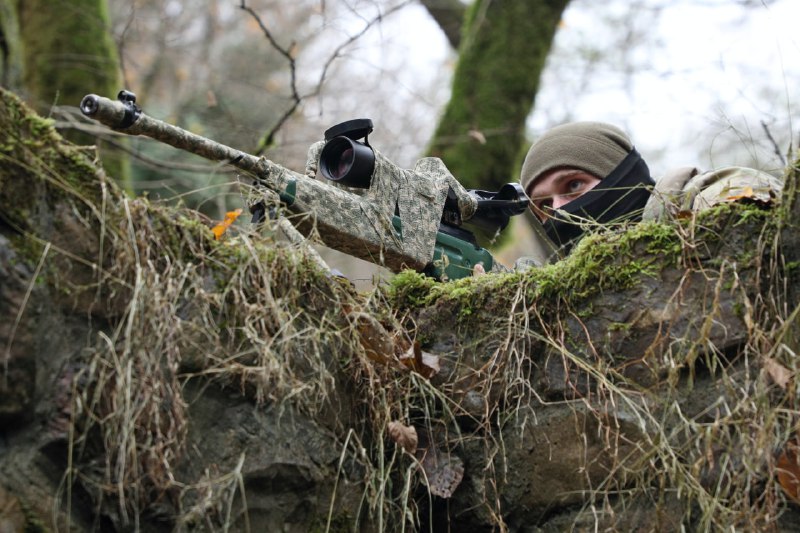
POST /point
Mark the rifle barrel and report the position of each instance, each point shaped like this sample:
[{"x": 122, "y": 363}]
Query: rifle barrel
[{"x": 125, "y": 117}]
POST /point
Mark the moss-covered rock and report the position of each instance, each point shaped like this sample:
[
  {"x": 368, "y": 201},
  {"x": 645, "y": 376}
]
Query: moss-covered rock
[{"x": 158, "y": 378}]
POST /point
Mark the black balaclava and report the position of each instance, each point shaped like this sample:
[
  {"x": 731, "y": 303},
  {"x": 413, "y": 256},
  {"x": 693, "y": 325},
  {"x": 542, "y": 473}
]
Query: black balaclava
[{"x": 604, "y": 151}]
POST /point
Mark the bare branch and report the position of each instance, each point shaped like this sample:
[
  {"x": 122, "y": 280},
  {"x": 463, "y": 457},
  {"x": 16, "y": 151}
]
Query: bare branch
[
  {"x": 337, "y": 53},
  {"x": 267, "y": 140},
  {"x": 774, "y": 143},
  {"x": 288, "y": 53}
]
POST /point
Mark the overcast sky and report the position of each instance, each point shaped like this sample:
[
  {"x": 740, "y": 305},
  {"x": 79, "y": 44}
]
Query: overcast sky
[
  {"x": 706, "y": 75},
  {"x": 699, "y": 76}
]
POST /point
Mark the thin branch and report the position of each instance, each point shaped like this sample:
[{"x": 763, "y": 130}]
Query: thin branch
[
  {"x": 774, "y": 143},
  {"x": 267, "y": 140},
  {"x": 289, "y": 53},
  {"x": 337, "y": 53}
]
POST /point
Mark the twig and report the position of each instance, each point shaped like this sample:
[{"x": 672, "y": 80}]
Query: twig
[
  {"x": 775, "y": 147},
  {"x": 288, "y": 53},
  {"x": 22, "y": 308},
  {"x": 268, "y": 138}
]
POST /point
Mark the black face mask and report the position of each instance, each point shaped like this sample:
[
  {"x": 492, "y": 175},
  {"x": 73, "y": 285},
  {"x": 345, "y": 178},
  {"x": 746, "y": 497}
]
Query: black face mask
[{"x": 620, "y": 196}]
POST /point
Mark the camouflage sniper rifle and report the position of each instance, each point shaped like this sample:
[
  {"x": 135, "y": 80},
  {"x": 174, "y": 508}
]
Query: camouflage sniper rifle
[{"x": 368, "y": 208}]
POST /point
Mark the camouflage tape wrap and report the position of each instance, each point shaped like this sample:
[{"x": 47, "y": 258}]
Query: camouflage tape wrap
[
  {"x": 312, "y": 159},
  {"x": 362, "y": 224}
]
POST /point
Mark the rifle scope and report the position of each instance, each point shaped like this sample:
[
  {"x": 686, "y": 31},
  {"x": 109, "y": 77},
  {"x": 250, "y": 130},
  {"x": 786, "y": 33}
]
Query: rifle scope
[{"x": 344, "y": 158}]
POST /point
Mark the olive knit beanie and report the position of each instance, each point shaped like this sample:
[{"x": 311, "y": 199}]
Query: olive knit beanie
[{"x": 594, "y": 147}]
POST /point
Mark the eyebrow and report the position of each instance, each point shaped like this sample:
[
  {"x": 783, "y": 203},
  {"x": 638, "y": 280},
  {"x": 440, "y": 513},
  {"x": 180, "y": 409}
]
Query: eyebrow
[
  {"x": 572, "y": 173},
  {"x": 566, "y": 175}
]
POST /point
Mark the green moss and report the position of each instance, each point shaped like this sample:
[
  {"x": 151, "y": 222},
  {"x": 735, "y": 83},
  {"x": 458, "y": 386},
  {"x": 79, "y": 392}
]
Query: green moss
[
  {"x": 33, "y": 523},
  {"x": 31, "y": 150},
  {"x": 409, "y": 289},
  {"x": 792, "y": 266},
  {"x": 64, "y": 44},
  {"x": 610, "y": 260},
  {"x": 601, "y": 262}
]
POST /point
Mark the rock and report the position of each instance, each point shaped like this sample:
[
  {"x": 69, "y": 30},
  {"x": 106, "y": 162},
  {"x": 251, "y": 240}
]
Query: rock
[{"x": 17, "y": 345}]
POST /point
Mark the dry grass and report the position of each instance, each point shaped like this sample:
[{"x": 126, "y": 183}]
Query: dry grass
[{"x": 169, "y": 304}]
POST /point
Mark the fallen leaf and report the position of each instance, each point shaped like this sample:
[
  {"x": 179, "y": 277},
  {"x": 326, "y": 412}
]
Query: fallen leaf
[
  {"x": 222, "y": 227},
  {"x": 779, "y": 374},
  {"x": 405, "y": 436},
  {"x": 747, "y": 192},
  {"x": 374, "y": 338},
  {"x": 427, "y": 364},
  {"x": 423, "y": 363},
  {"x": 443, "y": 472},
  {"x": 789, "y": 471}
]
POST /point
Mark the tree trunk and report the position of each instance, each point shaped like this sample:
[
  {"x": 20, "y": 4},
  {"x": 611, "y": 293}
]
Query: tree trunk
[
  {"x": 500, "y": 61},
  {"x": 449, "y": 15},
  {"x": 68, "y": 53},
  {"x": 10, "y": 49}
]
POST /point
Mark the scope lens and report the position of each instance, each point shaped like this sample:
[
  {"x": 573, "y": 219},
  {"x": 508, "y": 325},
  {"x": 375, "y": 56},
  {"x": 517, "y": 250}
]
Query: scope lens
[
  {"x": 347, "y": 162},
  {"x": 344, "y": 164}
]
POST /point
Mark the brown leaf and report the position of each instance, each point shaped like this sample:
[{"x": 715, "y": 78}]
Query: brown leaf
[
  {"x": 373, "y": 336},
  {"x": 428, "y": 364},
  {"x": 405, "y": 436},
  {"x": 423, "y": 363},
  {"x": 779, "y": 374},
  {"x": 789, "y": 471},
  {"x": 443, "y": 472}
]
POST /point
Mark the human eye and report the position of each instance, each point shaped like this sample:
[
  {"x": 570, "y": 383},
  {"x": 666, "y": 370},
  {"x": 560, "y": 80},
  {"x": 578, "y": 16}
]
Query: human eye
[{"x": 576, "y": 186}]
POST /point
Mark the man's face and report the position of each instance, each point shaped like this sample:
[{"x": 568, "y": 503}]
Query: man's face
[{"x": 556, "y": 188}]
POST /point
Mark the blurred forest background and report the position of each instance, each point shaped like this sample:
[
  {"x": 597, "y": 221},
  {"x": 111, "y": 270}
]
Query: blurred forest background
[{"x": 706, "y": 83}]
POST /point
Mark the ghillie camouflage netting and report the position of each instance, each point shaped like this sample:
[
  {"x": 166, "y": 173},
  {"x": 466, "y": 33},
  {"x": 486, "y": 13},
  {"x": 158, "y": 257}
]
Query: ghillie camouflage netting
[{"x": 156, "y": 378}]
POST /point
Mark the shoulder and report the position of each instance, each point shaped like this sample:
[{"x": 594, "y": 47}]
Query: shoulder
[
  {"x": 733, "y": 183},
  {"x": 690, "y": 190}
]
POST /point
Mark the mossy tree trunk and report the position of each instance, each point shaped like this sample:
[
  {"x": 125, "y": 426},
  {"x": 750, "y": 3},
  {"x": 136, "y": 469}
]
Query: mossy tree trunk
[
  {"x": 502, "y": 54},
  {"x": 10, "y": 51},
  {"x": 68, "y": 52}
]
